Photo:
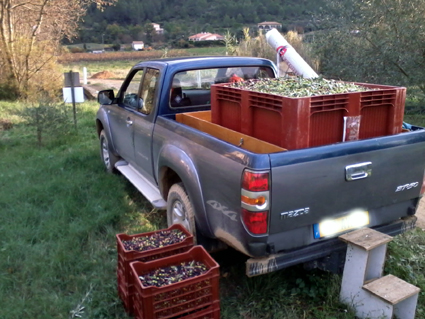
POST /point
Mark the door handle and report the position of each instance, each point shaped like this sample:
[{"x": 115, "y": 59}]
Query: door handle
[{"x": 358, "y": 171}]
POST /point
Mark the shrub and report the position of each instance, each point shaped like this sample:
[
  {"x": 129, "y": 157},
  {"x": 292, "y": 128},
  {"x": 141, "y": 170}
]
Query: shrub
[
  {"x": 116, "y": 46},
  {"x": 47, "y": 117},
  {"x": 7, "y": 91}
]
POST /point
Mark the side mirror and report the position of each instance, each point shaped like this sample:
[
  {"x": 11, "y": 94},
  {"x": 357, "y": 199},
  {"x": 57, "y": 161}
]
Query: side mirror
[{"x": 106, "y": 97}]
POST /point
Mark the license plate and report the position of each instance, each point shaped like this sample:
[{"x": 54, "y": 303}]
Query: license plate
[{"x": 338, "y": 225}]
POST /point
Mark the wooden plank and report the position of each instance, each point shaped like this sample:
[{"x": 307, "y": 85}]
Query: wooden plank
[
  {"x": 391, "y": 289},
  {"x": 366, "y": 238},
  {"x": 203, "y": 115},
  {"x": 202, "y": 122}
]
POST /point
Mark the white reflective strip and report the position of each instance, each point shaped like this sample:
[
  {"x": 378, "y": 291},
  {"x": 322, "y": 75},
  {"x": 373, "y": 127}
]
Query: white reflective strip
[{"x": 253, "y": 195}]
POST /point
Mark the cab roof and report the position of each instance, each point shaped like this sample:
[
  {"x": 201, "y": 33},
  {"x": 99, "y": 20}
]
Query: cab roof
[{"x": 206, "y": 62}]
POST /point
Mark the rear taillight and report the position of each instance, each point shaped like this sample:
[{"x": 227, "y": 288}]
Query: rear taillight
[
  {"x": 255, "y": 182},
  {"x": 256, "y": 222},
  {"x": 255, "y": 201}
]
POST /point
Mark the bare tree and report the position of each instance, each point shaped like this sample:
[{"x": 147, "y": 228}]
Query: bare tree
[{"x": 30, "y": 35}]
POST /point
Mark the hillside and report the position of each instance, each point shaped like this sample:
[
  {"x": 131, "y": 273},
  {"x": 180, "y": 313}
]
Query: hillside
[{"x": 127, "y": 20}]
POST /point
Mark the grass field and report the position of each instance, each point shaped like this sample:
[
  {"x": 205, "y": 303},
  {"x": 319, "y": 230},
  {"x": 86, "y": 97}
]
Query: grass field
[{"x": 60, "y": 212}]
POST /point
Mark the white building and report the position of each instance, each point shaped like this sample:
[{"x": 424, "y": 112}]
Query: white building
[
  {"x": 268, "y": 25},
  {"x": 138, "y": 45},
  {"x": 206, "y": 36},
  {"x": 158, "y": 28}
]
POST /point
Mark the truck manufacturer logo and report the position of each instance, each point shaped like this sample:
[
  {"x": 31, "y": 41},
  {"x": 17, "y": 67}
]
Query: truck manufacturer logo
[
  {"x": 295, "y": 213},
  {"x": 406, "y": 187}
]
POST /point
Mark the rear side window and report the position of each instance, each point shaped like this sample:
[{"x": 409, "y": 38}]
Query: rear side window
[{"x": 192, "y": 88}]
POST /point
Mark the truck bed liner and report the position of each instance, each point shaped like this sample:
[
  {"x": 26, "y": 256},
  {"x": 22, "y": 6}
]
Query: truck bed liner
[{"x": 202, "y": 122}]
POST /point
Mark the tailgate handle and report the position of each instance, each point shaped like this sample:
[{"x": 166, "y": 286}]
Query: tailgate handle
[{"x": 358, "y": 171}]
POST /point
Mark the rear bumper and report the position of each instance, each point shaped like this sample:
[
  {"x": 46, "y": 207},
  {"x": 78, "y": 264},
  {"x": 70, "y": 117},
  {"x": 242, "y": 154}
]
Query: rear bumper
[{"x": 260, "y": 266}]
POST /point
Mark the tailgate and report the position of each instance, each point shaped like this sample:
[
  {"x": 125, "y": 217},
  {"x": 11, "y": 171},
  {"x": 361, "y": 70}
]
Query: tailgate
[{"x": 311, "y": 185}]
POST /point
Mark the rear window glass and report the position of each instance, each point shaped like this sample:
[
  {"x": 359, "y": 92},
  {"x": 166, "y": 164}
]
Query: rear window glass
[{"x": 192, "y": 88}]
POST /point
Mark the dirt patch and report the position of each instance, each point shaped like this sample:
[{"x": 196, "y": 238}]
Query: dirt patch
[
  {"x": 96, "y": 85},
  {"x": 421, "y": 214},
  {"x": 5, "y": 125},
  {"x": 103, "y": 75}
]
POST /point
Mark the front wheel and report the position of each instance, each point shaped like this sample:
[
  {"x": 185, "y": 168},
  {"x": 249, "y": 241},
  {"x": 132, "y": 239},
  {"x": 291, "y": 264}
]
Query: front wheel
[
  {"x": 180, "y": 209},
  {"x": 107, "y": 157}
]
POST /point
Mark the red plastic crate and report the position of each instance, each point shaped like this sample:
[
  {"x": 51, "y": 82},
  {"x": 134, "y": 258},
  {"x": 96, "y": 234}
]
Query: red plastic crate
[
  {"x": 295, "y": 123},
  {"x": 127, "y": 300},
  {"x": 125, "y": 257},
  {"x": 209, "y": 312},
  {"x": 381, "y": 110},
  {"x": 196, "y": 297}
]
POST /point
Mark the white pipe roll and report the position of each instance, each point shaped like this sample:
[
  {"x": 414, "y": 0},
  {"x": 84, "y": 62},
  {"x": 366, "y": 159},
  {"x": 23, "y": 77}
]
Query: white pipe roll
[{"x": 289, "y": 55}]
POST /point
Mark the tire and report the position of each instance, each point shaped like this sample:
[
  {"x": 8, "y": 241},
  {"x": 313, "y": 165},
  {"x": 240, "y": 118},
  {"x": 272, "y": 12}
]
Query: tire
[
  {"x": 180, "y": 209},
  {"x": 107, "y": 157}
]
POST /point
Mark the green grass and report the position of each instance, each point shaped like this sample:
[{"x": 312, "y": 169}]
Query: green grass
[
  {"x": 290, "y": 293},
  {"x": 60, "y": 213},
  {"x": 406, "y": 260}
]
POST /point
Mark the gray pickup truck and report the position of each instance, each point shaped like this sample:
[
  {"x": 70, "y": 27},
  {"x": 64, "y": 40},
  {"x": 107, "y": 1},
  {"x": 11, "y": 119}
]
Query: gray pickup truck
[{"x": 279, "y": 207}]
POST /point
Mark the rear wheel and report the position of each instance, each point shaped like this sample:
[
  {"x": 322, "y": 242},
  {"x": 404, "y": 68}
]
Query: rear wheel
[
  {"x": 108, "y": 158},
  {"x": 180, "y": 209}
]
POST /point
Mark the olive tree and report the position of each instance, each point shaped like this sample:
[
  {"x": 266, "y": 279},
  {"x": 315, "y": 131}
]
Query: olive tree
[
  {"x": 378, "y": 41},
  {"x": 30, "y": 35}
]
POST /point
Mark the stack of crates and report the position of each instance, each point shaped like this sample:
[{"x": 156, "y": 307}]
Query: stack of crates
[
  {"x": 295, "y": 123},
  {"x": 126, "y": 289},
  {"x": 194, "y": 298}
]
